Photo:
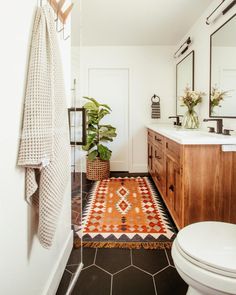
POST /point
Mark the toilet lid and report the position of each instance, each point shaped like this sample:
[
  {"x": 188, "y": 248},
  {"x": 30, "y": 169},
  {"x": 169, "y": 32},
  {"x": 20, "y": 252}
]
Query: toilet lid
[{"x": 210, "y": 243}]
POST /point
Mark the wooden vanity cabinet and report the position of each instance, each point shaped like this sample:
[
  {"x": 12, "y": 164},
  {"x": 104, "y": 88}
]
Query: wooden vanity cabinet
[
  {"x": 196, "y": 182},
  {"x": 173, "y": 189}
]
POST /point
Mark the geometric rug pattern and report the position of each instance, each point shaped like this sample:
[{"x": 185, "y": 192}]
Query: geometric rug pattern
[{"x": 125, "y": 213}]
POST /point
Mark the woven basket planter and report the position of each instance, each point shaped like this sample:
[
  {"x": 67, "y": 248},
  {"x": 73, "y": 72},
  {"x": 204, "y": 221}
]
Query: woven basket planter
[{"x": 97, "y": 169}]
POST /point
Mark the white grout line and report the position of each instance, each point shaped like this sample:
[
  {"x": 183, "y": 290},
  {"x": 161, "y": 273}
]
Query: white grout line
[
  {"x": 73, "y": 264},
  {"x": 103, "y": 269},
  {"x": 121, "y": 270},
  {"x": 131, "y": 256},
  {"x": 86, "y": 267},
  {"x": 95, "y": 256},
  {"x": 143, "y": 270},
  {"x": 154, "y": 283},
  {"x": 161, "y": 270},
  {"x": 71, "y": 273},
  {"x": 167, "y": 257}
]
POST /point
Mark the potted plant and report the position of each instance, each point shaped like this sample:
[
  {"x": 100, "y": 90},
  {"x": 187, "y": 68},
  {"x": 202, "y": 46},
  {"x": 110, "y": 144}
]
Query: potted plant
[{"x": 98, "y": 157}]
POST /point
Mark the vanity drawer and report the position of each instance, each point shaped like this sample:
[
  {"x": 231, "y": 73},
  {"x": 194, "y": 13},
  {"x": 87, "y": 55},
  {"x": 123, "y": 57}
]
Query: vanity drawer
[
  {"x": 159, "y": 178},
  {"x": 173, "y": 149},
  {"x": 158, "y": 139},
  {"x": 150, "y": 135},
  {"x": 158, "y": 156}
]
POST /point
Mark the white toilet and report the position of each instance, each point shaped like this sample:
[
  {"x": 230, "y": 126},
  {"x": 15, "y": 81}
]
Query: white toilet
[{"x": 204, "y": 255}]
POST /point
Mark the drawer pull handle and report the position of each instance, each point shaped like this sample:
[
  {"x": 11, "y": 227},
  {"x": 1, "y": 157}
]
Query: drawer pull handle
[
  {"x": 150, "y": 157},
  {"x": 156, "y": 156},
  {"x": 158, "y": 139},
  {"x": 158, "y": 177},
  {"x": 172, "y": 188}
]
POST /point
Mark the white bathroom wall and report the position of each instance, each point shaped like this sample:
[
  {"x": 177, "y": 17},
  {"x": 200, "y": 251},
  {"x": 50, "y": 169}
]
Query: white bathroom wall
[
  {"x": 200, "y": 35},
  {"x": 151, "y": 71},
  {"x": 25, "y": 266}
]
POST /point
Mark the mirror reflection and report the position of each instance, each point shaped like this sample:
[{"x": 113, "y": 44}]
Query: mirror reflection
[
  {"x": 223, "y": 71},
  {"x": 184, "y": 78}
]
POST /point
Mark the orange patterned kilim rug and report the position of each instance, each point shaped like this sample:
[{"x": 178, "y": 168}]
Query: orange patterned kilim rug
[{"x": 126, "y": 213}]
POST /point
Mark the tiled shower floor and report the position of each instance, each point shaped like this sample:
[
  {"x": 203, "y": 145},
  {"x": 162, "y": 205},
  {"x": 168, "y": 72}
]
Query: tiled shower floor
[{"x": 121, "y": 271}]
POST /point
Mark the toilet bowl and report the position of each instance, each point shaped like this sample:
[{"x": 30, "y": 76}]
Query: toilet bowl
[{"x": 204, "y": 255}]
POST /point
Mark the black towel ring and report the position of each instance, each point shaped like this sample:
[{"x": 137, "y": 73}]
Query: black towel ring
[{"x": 155, "y": 98}]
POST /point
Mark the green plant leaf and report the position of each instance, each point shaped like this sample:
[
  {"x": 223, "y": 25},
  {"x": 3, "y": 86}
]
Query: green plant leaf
[
  {"x": 92, "y": 100},
  {"x": 105, "y": 139},
  {"x": 104, "y": 152},
  {"x": 93, "y": 113},
  {"x": 93, "y": 155},
  {"x": 90, "y": 106},
  {"x": 92, "y": 121},
  {"x": 96, "y": 132},
  {"x": 102, "y": 113},
  {"x": 107, "y": 126},
  {"x": 105, "y": 106},
  {"x": 91, "y": 137},
  {"x": 107, "y": 133},
  {"x": 97, "y": 103},
  {"x": 92, "y": 128},
  {"x": 88, "y": 146}
]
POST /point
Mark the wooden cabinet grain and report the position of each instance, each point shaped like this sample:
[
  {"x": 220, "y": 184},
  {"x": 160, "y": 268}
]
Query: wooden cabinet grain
[
  {"x": 173, "y": 191},
  {"x": 196, "y": 182}
]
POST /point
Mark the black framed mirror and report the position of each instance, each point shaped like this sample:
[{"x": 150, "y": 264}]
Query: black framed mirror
[
  {"x": 222, "y": 91},
  {"x": 184, "y": 78}
]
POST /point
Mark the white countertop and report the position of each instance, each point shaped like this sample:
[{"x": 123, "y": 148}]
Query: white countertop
[{"x": 192, "y": 136}]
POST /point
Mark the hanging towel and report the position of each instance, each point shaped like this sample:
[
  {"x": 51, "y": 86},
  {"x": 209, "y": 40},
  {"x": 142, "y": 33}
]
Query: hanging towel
[
  {"x": 156, "y": 108},
  {"x": 44, "y": 147}
]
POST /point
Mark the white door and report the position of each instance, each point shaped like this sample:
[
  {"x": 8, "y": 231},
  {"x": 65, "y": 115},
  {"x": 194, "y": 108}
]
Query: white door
[{"x": 111, "y": 86}]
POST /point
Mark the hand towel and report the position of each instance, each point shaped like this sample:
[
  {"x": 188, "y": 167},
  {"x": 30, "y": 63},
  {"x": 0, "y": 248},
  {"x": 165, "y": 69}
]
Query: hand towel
[{"x": 44, "y": 147}]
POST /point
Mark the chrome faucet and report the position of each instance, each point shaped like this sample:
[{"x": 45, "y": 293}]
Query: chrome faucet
[
  {"x": 177, "y": 122},
  {"x": 219, "y": 126}
]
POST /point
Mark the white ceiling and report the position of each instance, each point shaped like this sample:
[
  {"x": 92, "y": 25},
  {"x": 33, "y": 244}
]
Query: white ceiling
[{"x": 135, "y": 22}]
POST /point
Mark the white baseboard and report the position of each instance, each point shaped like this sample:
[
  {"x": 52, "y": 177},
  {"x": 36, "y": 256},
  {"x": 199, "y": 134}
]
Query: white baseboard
[
  {"x": 57, "y": 272},
  {"x": 139, "y": 168}
]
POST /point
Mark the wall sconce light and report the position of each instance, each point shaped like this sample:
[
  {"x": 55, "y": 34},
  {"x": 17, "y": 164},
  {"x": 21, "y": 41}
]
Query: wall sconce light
[
  {"x": 225, "y": 6},
  {"x": 183, "y": 48}
]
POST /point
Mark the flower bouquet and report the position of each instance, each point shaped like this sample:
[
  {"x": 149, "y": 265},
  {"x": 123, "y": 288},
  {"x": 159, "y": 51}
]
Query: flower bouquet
[
  {"x": 190, "y": 99},
  {"x": 217, "y": 97}
]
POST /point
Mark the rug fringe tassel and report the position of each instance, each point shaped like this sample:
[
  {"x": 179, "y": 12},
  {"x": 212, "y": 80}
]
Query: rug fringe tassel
[{"x": 124, "y": 245}]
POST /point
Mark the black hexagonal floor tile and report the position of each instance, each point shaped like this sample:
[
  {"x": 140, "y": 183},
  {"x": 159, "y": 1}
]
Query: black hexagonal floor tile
[
  {"x": 64, "y": 284},
  {"x": 113, "y": 260},
  {"x": 75, "y": 257},
  {"x": 88, "y": 256},
  {"x": 169, "y": 280},
  {"x": 170, "y": 257},
  {"x": 132, "y": 281},
  {"x": 93, "y": 281},
  {"x": 72, "y": 268},
  {"x": 151, "y": 261}
]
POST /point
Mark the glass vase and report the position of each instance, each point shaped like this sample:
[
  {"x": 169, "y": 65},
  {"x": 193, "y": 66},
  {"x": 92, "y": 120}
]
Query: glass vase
[{"x": 190, "y": 120}]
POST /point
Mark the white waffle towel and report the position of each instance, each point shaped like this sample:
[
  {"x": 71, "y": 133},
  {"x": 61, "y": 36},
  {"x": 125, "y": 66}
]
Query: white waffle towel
[{"x": 44, "y": 147}]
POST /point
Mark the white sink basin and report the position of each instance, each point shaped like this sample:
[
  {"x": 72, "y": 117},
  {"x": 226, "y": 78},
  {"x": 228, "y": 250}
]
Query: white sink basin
[{"x": 192, "y": 136}]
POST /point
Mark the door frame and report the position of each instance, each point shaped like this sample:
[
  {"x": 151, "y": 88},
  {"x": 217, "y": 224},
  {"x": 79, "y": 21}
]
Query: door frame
[{"x": 91, "y": 67}]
